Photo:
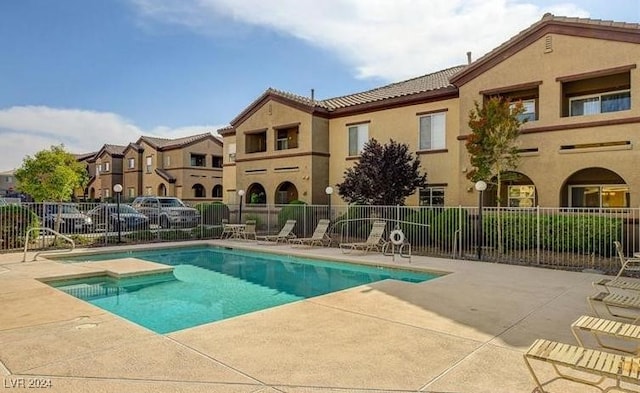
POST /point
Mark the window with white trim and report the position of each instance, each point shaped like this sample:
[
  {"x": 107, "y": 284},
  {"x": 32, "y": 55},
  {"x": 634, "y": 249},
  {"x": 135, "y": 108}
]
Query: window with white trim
[
  {"x": 358, "y": 136},
  {"x": 131, "y": 192},
  {"x": 231, "y": 152},
  {"x": 107, "y": 167},
  {"x": 600, "y": 103},
  {"x": 529, "y": 113},
  {"x": 98, "y": 169},
  {"x": 521, "y": 195},
  {"x": 433, "y": 131},
  {"x": 149, "y": 164},
  {"x": 132, "y": 163},
  {"x": 431, "y": 196}
]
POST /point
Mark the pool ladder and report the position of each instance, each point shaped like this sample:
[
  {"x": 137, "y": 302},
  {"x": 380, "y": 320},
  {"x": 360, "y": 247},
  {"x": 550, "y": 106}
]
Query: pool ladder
[{"x": 55, "y": 233}]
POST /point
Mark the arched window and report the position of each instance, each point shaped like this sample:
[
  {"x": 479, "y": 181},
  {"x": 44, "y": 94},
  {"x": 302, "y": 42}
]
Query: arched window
[
  {"x": 198, "y": 191},
  {"x": 595, "y": 188},
  {"x": 217, "y": 191},
  {"x": 256, "y": 194},
  {"x": 286, "y": 192}
]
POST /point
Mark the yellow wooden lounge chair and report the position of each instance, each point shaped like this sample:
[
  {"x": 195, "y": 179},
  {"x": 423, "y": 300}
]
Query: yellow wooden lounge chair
[
  {"x": 284, "y": 235},
  {"x": 599, "y": 328},
  {"x": 319, "y": 237},
  {"x": 375, "y": 241},
  {"x": 603, "y": 365}
]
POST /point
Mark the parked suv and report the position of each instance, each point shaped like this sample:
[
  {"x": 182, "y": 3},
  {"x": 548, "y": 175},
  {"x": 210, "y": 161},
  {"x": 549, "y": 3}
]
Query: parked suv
[{"x": 166, "y": 212}]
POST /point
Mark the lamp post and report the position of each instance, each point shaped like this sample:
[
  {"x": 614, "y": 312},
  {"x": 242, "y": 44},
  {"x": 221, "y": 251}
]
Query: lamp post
[
  {"x": 241, "y": 193},
  {"x": 480, "y": 187},
  {"x": 329, "y": 191},
  {"x": 117, "y": 188}
]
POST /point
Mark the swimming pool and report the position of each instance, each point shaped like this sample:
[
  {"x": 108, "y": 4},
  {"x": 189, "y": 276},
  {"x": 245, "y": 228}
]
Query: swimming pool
[{"x": 209, "y": 284}]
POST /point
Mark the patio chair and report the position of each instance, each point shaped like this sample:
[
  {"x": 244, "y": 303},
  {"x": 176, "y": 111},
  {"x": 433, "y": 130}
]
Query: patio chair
[
  {"x": 375, "y": 240},
  {"x": 630, "y": 284},
  {"x": 284, "y": 235},
  {"x": 614, "y": 301},
  {"x": 626, "y": 264},
  {"x": 249, "y": 231},
  {"x": 226, "y": 231},
  {"x": 603, "y": 365},
  {"x": 320, "y": 236},
  {"x": 599, "y": 328}
]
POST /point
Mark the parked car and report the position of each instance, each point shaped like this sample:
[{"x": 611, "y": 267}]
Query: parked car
[
  {"x": 167, "y": 212},
  {"x": 72, "y": 220},
  {"x": 105, "y": 217}
]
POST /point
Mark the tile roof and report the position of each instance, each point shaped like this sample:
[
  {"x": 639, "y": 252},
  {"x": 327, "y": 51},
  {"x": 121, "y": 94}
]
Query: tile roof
[
  {"x": 430, "y": 82},
  {"x": 547, "y": 19},
  {"x": 114, "y": 149},
  {"x": 164, "y": 143}
]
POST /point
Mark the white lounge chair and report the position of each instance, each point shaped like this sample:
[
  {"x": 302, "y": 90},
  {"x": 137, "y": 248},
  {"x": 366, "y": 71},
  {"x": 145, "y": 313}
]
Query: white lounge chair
[
  {"x": 284, "y": 235},
  {"x": 320, "y": 236},
  {"x": 375, "y": 241}
]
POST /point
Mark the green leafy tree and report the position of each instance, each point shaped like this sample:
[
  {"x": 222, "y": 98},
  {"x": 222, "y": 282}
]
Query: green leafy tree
[
  {"x": 384, "y": 175},
  {"x": 51, "y": 175},
  {"x": 492, "y": 145}
]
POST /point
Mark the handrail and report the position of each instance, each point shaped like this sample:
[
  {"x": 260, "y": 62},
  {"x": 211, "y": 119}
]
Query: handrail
[{"x": 35, "y": 257}]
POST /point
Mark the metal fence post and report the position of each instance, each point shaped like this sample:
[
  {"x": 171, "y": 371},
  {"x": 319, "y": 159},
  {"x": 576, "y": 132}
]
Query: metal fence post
[{"x": 538, "y": 234}]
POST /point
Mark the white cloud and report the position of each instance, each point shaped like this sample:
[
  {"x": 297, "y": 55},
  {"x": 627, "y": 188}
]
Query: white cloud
[
  {"x": 390, "y": 39},
  {"x": 24, "y": 130}
]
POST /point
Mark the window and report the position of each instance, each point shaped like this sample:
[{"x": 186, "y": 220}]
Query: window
[
  {"x": 600, "y": 103},
  {"x": 217, "y": 191},
  {"x": 132, "y": 163},
  {"x": 131, "y": 192},
  {"x": 358, "y": 136},
  {"x": 198, "y": 160},
  {"x": 167, "y": 161},
  {"x": 106, "y": 193},
  {"x": 529, "y": 113},
  {"x": 256, "y": 142},
  {"x": 231, "y": 151},
  {"x": 432, "y": 196},
  {"x": 98, "y": 169},
  {"x": 521, "y": 196},
  {"x": 148, "y": 191},
  {"x": 107, "y": 167},
  {"x": 149, "y": 164},
  {"x": 287, "y": 138},
  {"x": 601, "y": 93},
  {"x": 599, "y": 196},
  {"x": 432, "y": 131},
  {"x": 216, "y": 162},
  {"x": 198, "y": 191}
]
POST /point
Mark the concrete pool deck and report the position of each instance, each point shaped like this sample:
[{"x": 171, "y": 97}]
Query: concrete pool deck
[{"x": 463, "y": 332}]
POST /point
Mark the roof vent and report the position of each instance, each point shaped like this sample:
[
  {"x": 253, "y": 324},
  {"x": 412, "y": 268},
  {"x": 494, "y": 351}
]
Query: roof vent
[
  {"x": 468, "y": 57},
  {"x": 548, "y": 44}
]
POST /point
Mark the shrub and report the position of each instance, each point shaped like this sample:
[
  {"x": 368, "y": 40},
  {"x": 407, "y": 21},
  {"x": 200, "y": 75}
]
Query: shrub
[
  {"x": 446, "y": 224},
  {"x": 419, "y": 232},
  {"x": 176, "y": 234},
  {"x": 15, "y": 220},
  {"x": 299, "y": 211},
  {"x": 213, "y": 213},
  {"x": 144, "y": 235}
]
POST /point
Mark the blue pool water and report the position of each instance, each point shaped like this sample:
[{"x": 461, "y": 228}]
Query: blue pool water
[{"x": 210, "y": 284}]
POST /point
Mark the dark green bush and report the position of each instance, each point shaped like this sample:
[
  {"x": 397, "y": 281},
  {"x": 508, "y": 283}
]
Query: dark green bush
[
  {"x": 446, "y": 224},
  {"x": 583, "y": 233},
  {"x": 144, "y": 235},
  {"x": 299, "y": 211},
  {"x": 15, "y": 220},
  {"x": 419, "y": 231},
  {"x": 175, "y": 234},
  {"x": 213, "y": 213}
]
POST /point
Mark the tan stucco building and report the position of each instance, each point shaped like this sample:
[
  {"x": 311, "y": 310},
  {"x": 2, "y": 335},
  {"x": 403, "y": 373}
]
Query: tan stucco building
[
  {"x": 577, "y": 79},
  {"x": 189, "y": 168}
]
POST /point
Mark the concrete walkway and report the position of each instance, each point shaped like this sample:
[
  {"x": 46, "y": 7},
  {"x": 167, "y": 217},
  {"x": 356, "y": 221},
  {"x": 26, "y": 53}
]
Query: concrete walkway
[{"x": 462, "y": 332}]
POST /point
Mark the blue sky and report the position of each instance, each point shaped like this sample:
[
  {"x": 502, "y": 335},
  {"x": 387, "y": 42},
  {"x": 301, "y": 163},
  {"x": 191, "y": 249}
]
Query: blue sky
[{"x": 88, "y": 72}]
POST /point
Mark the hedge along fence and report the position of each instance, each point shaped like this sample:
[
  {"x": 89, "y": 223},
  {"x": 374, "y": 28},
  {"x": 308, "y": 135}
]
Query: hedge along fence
[
  {"x": 15, "y": 220},
  {"x": 213, "y": 213},
  {"x": 574, "y": 233}
]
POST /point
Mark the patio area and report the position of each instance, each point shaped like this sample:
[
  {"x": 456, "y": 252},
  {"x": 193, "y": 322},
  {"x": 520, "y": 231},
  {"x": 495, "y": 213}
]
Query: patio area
[{"x": 463, "y": 332}]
